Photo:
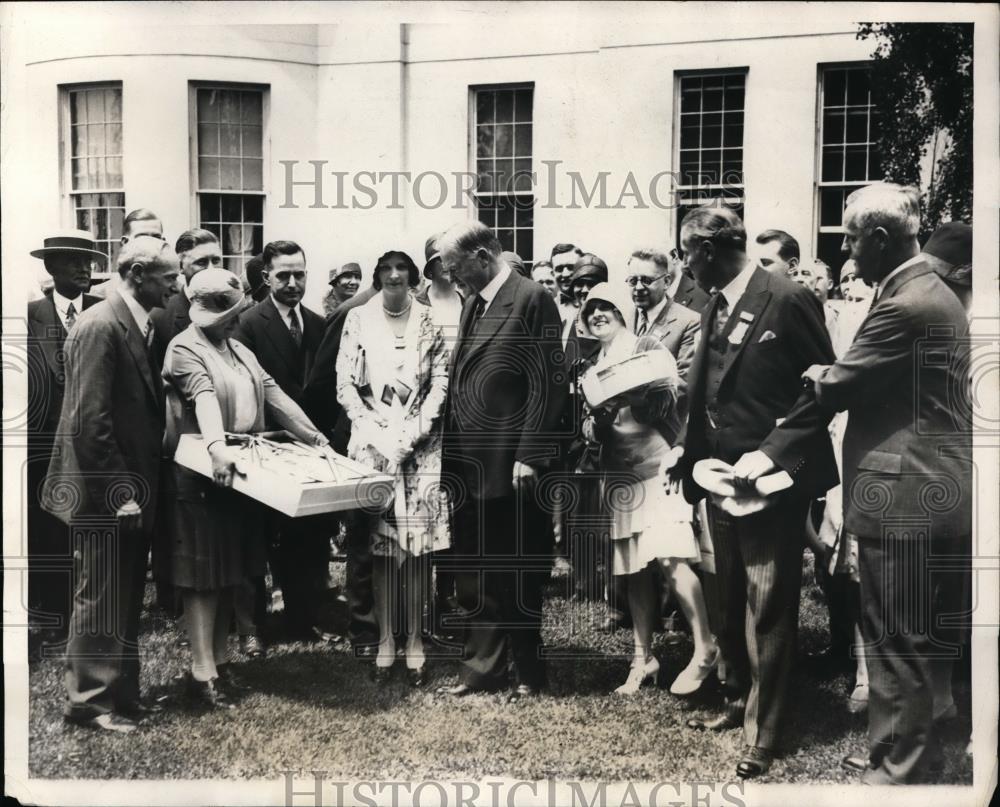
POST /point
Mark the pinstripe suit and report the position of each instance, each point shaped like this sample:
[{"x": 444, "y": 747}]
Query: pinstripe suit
[{"x": 745, "y": 394}]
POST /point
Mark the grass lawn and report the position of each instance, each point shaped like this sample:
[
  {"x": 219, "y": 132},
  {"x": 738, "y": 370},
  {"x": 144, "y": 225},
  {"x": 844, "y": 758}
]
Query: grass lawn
[{"x": 314, "y": 707}]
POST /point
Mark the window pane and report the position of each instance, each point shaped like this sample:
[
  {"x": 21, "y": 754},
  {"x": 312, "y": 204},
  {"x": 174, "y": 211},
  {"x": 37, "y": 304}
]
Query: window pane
[
  {"x": 690, "y": 131},
  {"x": 828, "y": 250},
  {"x": 101, "y": 223},
  {"x": 78, "y": 107},
  {"x": 504, "y": 140},
  {"x": 734, "y": 92},
  {"x": 523, "y": 241},
  {"x": 711, "y": 131},
  {"x": 229, "y": 174},
  {"x": 484, "y": 107},
  {"x": 733, "y": 134},
  {"x": 505, "y": 106},
  {"x": 522, "y": 140},
  {"x": 712, "y": 98},
  {"x": 506, "y": 239},
  {"x": 253, "y": 208},
  {"x": 252, "y": 141},
  {"x": 857, "y": 126},
  {"x": 229, "y": 140},
  {"x": 732, "y": 162},
  {"x": 78, "y": 140},
  {"x": 711, "y": 163},
  {"x": 834, "y": 87},
  {"x": 505, "y": 213},
  {"x": 833, "y": 164},
  {"x": 485, "y": 172},
  {"x": 77, "y": 168},
  {"x": 95, "y": 106},
  {"x": 83, "y": 219},
  {"x": 209, "y": 205},
  {"x": 232, "y": 210},
  {"x": 251, "y": 108},
  {"x": 690, "y": 95},
  {"x": 229, "y": 108},
  {"x": 208, "y": 138},
  {"x": 522, "y": 175},
  {"x": 487, "y": 215},
  {"x": 114, "y": 105},
  {"x": 524, "y": 213},
  {"x": 522, "y": 103},
  {"x": 484, "y": 141},
  {"x": 95, "y": 140},
  {"x": 874, "y": 164},
  {"x": 831, "y": 207},
  {"x": 856, "y": 164},
  {"x": 857, "y": 87},
  {"x": 114, "y": 133},
  {"x": 208, "y": 108},
  {"x": 505, "y": 173},
  {"x": 689, "y": 168},
  {"x": 833, "y": 126},
  {"x": 113, "y": 168},
  {"x": 253, "y": 176},
  {"x": 208, "y": 172}
]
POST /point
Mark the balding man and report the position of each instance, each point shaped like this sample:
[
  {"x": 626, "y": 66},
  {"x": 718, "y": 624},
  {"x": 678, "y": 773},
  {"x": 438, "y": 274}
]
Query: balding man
[
  {"x": 103, "y": 481},
  {"x": 907, "y": 479},
  {"x": 506, "y": 394}
]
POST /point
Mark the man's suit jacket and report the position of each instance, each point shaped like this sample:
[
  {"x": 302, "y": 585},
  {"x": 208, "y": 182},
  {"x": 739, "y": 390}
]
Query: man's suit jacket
[
  {"x": 903, "y": 381},
  {"x": 690, "y": 294},
  {"x": 677, "y": 327},
  {"x": 507, "y": 389},
  {"x": 110, "y": 433},
  {"x": 761, "y": 403},
  {"x": 170, "y": 321},
  {"x": 320, "y": 398},
  {"x": 263, "y": 331}
]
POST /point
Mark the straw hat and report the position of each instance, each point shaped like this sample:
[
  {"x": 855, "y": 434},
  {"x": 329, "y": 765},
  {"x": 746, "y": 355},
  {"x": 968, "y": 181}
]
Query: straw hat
[
  {"x": 216, "y": 297},
  {"x": 75, "y": 241},
  {"x": 716, "y": 477}
]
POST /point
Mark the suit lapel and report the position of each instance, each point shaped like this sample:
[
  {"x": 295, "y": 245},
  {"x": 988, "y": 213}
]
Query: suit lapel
[
  {"x": 52, "y": 336},
  {"x": 136, "y": 344},
  {"x": 277, "y": 332},
  {"x": 496, "y": 315},
  {"x": 661, "y": 326},
  {"x": 748, "y": 310}
]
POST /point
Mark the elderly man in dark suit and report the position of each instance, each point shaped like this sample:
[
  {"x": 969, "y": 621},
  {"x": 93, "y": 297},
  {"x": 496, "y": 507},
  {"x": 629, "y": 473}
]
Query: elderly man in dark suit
[
  {"x": 68, "y": 259},
  {"x": 747, "y": 406},
  {"x": 907, "y": 478},
  {"x": 103, "y": 481},
  {"x": 506, "y": 395},
  {"x": 285, "y": 336}
]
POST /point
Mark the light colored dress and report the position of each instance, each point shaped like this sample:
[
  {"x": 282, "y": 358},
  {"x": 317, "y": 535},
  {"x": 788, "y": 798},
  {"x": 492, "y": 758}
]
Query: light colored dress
[
  {"x": 394, "y": 388},
  {"x": 646, "y": 522}
]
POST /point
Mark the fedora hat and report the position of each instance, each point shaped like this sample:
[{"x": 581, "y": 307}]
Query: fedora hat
[
  {"x": 216, "y": 296},
  {"x": 346, "y": 269},
  {"x": 76, "y": 241}
]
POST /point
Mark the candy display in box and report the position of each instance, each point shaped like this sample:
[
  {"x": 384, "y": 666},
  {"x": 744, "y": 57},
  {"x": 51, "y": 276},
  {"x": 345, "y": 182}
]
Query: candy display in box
[
  {"x": 292, "y": 477},
  {"x": 638, "y": 370}
]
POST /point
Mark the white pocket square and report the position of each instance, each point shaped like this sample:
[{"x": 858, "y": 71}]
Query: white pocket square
[{"x": 767, "y": 336}]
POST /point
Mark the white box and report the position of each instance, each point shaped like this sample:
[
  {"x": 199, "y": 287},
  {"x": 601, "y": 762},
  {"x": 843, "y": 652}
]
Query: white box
[{"x": 299, "y": 486}]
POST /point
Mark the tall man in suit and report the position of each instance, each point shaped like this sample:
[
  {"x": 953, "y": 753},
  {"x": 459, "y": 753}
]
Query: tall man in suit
[
  {"x": 141, "y": 221},
  {"x": 103, "y": 481},
  {"x": 907, "y": 478},
  {"x": 285, "y": 335},
  {"x": 68, "y": 258},
  {"x": 747, "y": 407},
  {"x": 506, "y": 395},
  {"x": 683, "y": 289}
]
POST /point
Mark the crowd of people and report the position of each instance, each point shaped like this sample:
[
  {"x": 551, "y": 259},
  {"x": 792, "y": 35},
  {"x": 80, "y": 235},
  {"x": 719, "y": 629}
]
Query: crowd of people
[{"x": 466, "y": 382}]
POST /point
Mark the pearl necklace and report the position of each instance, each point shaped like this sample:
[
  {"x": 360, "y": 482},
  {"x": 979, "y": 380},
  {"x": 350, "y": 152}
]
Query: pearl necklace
[{"x": 396, "y": 314}]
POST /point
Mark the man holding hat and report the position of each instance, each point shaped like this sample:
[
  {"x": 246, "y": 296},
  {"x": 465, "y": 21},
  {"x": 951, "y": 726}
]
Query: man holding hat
[
  {"x": 68, "y": 258},
  {"x": 103, "y": 481},
  {"x": 344, "y": 284}
]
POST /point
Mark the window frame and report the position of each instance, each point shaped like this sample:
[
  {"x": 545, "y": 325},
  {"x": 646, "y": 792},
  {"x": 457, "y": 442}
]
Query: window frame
[
  {"x": 472, "y": 157},
  {"x": 678, "y": 209},
  {"x": 67, "y": 205},
  {"x": 819, "y": 184},
  {"x": 265, "y": 139}
]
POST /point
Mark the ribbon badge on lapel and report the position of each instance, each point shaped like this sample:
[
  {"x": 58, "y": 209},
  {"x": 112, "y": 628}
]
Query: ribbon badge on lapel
[{"x": 740, "y": 331}]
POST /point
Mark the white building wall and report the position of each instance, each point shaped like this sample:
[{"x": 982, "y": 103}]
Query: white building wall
[{"x": 380, "y": 96}]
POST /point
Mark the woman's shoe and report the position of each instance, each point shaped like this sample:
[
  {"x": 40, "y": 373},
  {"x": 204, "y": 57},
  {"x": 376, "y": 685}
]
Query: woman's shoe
[
  {"x": 229, "y": 682},
  {"x": 639, "y": 675},
  {"x": 207, "y": 693},
  {"x": 417, "y": 677},
  {"x": 694, "y": 675}
]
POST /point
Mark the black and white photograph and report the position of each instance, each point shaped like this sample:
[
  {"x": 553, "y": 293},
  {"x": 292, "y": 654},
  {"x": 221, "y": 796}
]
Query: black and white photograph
[{"x": 586, "y": 404}]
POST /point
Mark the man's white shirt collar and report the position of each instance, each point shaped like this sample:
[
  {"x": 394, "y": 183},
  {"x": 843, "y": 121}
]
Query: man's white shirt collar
[
  {"x": 139, "y": 314},
  {"x": 653, "y": 312},
  {"x": 733, "y": 290},
  {"x": 491, "y": 289},
  {"x": 885, "y": 280},
  {"x": 284, "y": 311},
  {"x": 62, "y": 305}
]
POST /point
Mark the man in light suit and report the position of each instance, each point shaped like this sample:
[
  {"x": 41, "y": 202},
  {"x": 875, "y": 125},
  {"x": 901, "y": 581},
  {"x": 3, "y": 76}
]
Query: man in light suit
[
  {"x": 747, "y": 407},
  {"x": 285, "y": 335},
  {"x": 506, "y": 395},
  {"x": 68, "y": 258},
  {"x": 103, "y": 481},
  {"x": 907, "y": 479}
]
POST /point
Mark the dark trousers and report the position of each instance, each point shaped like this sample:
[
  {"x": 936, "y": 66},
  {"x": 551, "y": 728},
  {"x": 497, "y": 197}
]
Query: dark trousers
[
  {"x": 905, "y": 592},
  {"x": 303, "y": 562},
  {"x": 502, "y": 558},
  {"x": 50, "y": 572},
  {"x": 102, "y": 654},
  {"x": 361, "y": 628},
  {"x": 842, "y": 604},
  {"x": 758, "y": 566}
]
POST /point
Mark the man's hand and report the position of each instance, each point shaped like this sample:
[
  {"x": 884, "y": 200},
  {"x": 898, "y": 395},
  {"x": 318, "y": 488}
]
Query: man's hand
[
  {"x": 524, "y": 476},
  {"x": 670, "y": 469},
  {"x": 813, "y": 374},
  {"x": 751, "y": 466},
  {"x": 224, "y": 465},
  {"x": 129, "y": 516}
]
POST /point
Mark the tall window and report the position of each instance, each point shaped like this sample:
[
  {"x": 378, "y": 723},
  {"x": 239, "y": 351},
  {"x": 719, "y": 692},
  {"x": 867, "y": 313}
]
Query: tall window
[
  {"x": 92, "y": 145},
  {"x": 848, "y": 152},
  {"x": 501, "y": 134},
  {"x": 709, "y": 127},
  {"x": 228, "y": 138}
]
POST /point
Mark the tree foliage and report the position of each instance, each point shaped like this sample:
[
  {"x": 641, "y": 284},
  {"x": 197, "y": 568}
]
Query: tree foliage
[{"x": 922, "y": 88}]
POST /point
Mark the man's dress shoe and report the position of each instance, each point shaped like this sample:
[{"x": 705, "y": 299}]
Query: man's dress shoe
[
  {"x": 106, "y": 722},
  {"x": 521, "y": 692},
  {"x": 208, "y": 693},
  {"x": 854, "y": 763},
  {"x": 754, "y": 762},
  {"x": 730, "y": 719}
]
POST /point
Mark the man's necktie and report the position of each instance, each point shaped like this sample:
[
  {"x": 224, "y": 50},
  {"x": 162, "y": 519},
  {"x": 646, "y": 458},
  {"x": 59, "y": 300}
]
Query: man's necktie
[
  {"x": 642, "y": 323},
  {"x": 294, "y": 328},
  {"x": 477, "y": 314},
  {"x": 70, "y": 317},
  {"x": 721, "y": 316},
  {"x": 150, "y": 335}
]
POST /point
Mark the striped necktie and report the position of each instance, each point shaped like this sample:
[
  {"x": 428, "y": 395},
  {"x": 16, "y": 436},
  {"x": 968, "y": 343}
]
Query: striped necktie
[{"x": 70, "y": 317}]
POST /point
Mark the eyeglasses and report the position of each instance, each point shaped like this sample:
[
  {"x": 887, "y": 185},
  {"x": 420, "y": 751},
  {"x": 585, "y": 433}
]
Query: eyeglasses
[{"x": 646, "y": 280}]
